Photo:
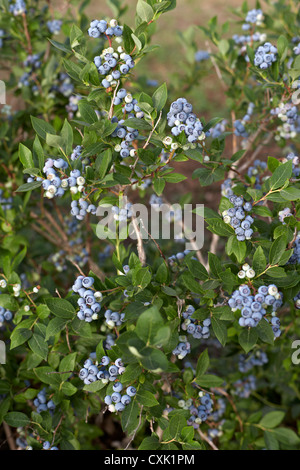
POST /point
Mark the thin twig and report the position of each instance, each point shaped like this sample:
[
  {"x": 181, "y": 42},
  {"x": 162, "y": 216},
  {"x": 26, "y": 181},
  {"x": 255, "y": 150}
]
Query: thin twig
[
  {"x": 9, "y": 436},
  {"x": 206, "y": 439},
  {"x": 136, "y": 429},
  {"x": 140, "y": 245}
]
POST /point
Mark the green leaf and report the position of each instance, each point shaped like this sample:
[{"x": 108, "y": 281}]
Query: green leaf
[
  {"x": 271, "y": 441},
  {"x": 130, "y": 417},
  {"x": 174, "y": 178},
  {"x": 286, "y": 436},
  {"x": 8, "y": 302},
  {"x": 87, "y": 112},
  {"x": 291, "y": 193},
  {"x": 146, "y": 398},
  {"x": 60, "y": 46},
  {"x": 280, "y": 176},
  {"x": 277, "y": 249},
  {"x": 29, "y": 186},
  {"x": 202, "y": 363},
  {"x": 148, "y": 324},
  {"x": 67, "y": 137},
  {"x": 236, "y": 248},
  {"x": 56, "y": 325},
  {"x": 38, "y": 345},
  {"x": 150, "y": 443},
  {"x": 136, "y": 123},
  {"x": 259, "y": 260},
  {"x": 209, "y": 380},
  {"x": 42, "y": 128},
  {"x": 159, "y": 185},
  {"x": 67, "y": 364},
  {"x": 272, "y": 419},
  {"x": 154, "y": 360},
  {"x": 248, "y": 338},
  {"x": 94, "y": 386},
  {"x": 177, "y": 423},
  {"x": 16, "y": 419},
  {"x": 19, "y": 336},
  {"x": 144, "y": 11},
  {"x": 265, "y": 332},
  {"x": 25, "y": 156},
  {"x": 160, "y": 97},
  {"x": 282, "y": 46},
  {"x": 61, "y": 308},
  {"x": 220, "y": 330}
]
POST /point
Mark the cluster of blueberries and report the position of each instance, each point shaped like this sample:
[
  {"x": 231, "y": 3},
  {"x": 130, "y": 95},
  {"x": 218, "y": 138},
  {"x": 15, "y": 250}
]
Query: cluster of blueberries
[
  {"x": 199, "y": 412},
  {"x": 113, "y": 319},
  {"x": 297, "y": 301},
  {"x": 286, "y": 212},
  {"x": 288, "y": 115},
  {"x": 226, "y": 188},
  {"x": 76, "y": 153},
  {"x": 253, "y": 308},
  {"x": 5, "y": 315},
  {"x": 253, "y": 17},
  {"x": 219, "y": 409},
  {"x": 54, "y": 26},
  {"x": 247, "y": 362},
  {"x": 109, "y": 342},
  {"x": 80, "y": 208},
  {"x": 89, "y": 301},
  {"x": 237, "y": 218},
  {"x": 48, "y": 446},
  {"x": 63, "y": 84},
  {"x": 2, "y": 34},
  {"x": 32, "y": 62},
  {"x": 265, "y": 55},
  {"x": 219, "y": 129},
  {"x": 295, "y": 258},
  {"x": 105, "y": 254},
  {"x": 201, "y": 55},
  {"x": 54, "y": 184},
  {"x": 116, "y": 401},
  {"x": 173, "y": 259},
  {"x": 42, "y": 404},
  {"x": 255, "y": 171},
  {"x": 104, "y": 29},
  {"x": 183, "y": 348},
  {"x": 72, "y": 106},
  {"x": 296, "y": 49},
  {"x": 106, "y": 370},
  {"x": 5, "y": 202},
  {"x": 296, "y": 163},
  {"x": 191, "y": 327},
  {"x": 239, "y": 124},
  {"x": 18, "y": 8},
  {"x": 113, "y": 65},
  {"x": 80, "y": 255},
  {"x": 122, "y": 214},
  {"x": 127, "y": 134},
  {"x": 182, "y": 119},
  {"x": 244, "y": 387},
  {"x": 246, "y": 271},
  {"x": 243, "y": 39}
]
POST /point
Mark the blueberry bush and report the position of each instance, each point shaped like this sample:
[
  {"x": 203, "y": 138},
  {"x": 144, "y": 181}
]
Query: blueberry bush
[{"x": 141, "y": 343}]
